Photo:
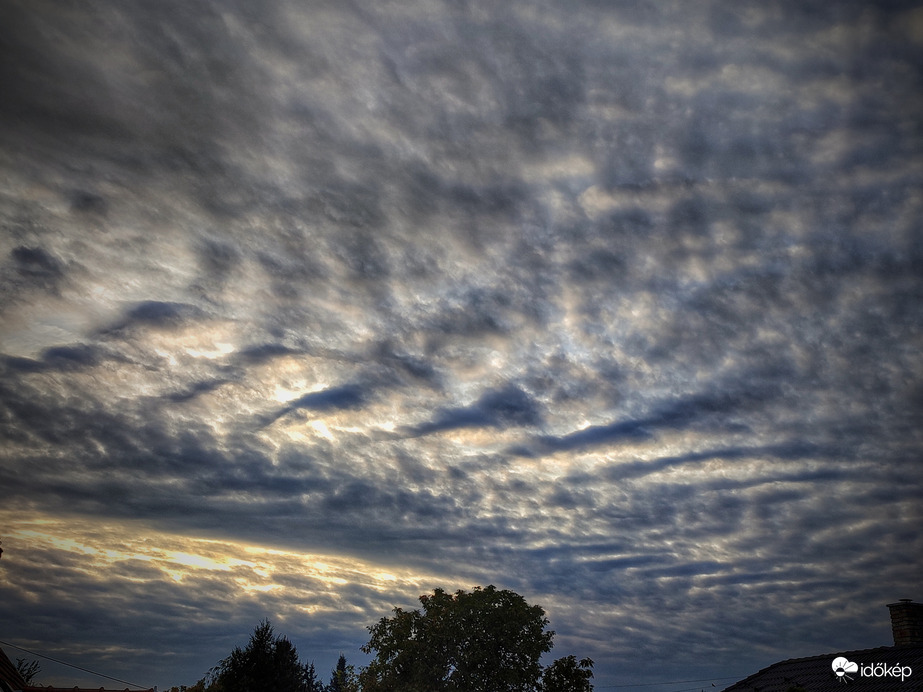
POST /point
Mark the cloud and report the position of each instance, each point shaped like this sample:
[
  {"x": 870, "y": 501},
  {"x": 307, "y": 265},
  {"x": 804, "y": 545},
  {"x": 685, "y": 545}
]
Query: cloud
[
  {"x": 687, "y": 412},
  {"x": 36, "y": 264},
  {"x": 195, "y": 390},
  {"x": 510, "y": 406},
  {"x": 158, "y": 314},
  {"x": 616, "y": 306},
  {"x": 343, "y": 397}
]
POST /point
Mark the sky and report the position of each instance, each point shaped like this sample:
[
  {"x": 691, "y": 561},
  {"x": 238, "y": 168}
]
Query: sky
[{"x": 309, "y": 308}]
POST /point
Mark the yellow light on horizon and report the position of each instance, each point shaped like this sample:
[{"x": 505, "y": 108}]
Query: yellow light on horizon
[{"x": 127, "y": 551}]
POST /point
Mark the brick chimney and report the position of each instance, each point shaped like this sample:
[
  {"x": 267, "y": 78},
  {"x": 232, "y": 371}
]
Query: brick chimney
[{"x": 907, "y": 622}]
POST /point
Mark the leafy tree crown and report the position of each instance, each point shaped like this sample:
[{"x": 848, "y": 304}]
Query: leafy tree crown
[{"x": 484, "y": 640}]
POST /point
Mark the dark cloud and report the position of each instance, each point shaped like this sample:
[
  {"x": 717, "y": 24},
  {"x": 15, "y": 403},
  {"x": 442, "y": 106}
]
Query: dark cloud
[
  {"x": 510, "y": 406},
  {"x": 195, "y": 390},
  {"x": 62, "y": 358},
  {"x": 36, "y": 263},
  {"x": 701, "y": 410},
  {"x": 155, "y": 314},
  {"x": 88, "y": 203},
  {"x": 265, "y": 352},
  {"x": 31, "y": 269},
  {"x": 344, "y": 397}
]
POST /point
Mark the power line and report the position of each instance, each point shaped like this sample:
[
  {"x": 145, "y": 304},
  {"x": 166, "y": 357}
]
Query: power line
[
  {"x": 669, "y": 682},
  {"x": 65, "y": 663},
  {"x": 600, "y": 687}
]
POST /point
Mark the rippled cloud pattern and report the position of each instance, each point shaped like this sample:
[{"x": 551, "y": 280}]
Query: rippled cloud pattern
[{"x": 308, "y": 308}]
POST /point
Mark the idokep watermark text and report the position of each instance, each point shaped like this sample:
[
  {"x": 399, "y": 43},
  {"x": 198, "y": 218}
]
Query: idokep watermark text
[{"x": 846, "y": 670}]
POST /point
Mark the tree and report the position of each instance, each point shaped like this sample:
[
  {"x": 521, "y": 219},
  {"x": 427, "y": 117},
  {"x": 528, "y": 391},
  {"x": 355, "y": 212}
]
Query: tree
[
  {"x": 311, "y": 682},
  {"x": 28, "y": 671},
  {"x": 267, "y": 664},
  {"x": 343, "y": 678},
  {"x": 568, "y": 675},
  {"x": 486, "y": 640}
]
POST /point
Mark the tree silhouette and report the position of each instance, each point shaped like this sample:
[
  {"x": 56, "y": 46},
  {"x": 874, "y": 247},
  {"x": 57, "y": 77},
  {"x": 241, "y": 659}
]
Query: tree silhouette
[
  {"x": 567, "y": 674},
  {"x": 343, "y": 678},
  {"x": 267, "y": 664},
  {"x": 311, "y": 682},
  {"x": 486, "y": 640},
  {"x": 28, "y": 671}
]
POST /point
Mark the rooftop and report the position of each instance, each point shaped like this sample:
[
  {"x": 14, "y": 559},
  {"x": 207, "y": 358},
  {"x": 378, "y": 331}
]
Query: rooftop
[{"x": 815, "y": 673}]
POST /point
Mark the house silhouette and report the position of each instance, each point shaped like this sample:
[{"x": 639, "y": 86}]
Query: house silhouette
[{"x": 897, "y": 668}]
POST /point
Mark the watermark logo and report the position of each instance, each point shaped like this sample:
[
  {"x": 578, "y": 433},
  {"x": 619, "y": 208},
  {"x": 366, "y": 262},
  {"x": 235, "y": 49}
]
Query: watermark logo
[{"x": 842, "y": 667}]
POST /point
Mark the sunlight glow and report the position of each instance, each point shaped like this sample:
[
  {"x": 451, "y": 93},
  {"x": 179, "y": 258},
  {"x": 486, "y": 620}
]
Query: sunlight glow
[
  {"x": 220, "y": 349},
  {"x": 130, "y": 553}
]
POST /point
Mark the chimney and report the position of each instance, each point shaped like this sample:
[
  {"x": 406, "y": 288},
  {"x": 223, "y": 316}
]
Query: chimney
[{"x": 907, "y": 622}]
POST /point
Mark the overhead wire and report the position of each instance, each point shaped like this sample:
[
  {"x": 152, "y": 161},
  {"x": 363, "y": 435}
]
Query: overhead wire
[
  {"x": 668, "y": 682},
  {"x": 71, "y": 665}
]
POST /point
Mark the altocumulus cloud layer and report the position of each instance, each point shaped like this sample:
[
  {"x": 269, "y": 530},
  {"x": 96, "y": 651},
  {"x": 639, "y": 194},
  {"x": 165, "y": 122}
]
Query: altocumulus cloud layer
[{"x": 308, "y": 308}]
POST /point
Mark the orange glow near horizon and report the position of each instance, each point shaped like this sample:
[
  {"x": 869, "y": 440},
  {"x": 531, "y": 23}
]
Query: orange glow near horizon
[{"x": 127, "y": 551}]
